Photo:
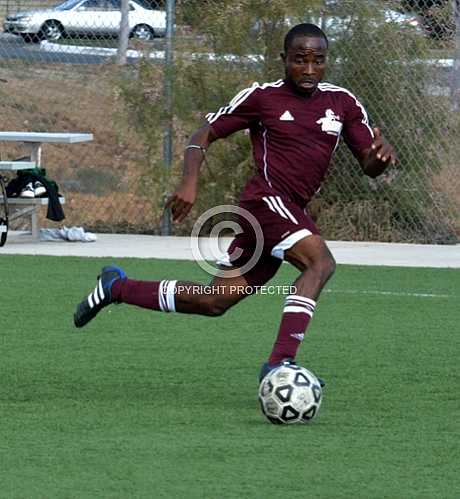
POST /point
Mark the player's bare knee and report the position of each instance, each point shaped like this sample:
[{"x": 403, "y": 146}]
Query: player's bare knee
[
  {"x": 216, "y": 305},
  {"x": 324, "y": 263},
  {"x": 328, "y": 266},
  {"x": 323, "y": 267},
  {"x": 320, "y": 262},
  {"x": 217, "y": 309}
]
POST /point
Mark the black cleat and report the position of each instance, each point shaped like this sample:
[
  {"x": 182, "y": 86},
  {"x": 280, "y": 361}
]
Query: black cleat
[
  {"x": 266, "y": 368},
  {"x": 100, "y": 297}
]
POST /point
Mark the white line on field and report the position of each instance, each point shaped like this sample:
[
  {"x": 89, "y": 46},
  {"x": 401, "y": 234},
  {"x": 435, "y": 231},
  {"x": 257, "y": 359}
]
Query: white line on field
[{"x": 387, "y": 293}]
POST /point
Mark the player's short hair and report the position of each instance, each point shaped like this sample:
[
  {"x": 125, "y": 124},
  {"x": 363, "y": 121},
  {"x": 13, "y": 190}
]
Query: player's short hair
[{"x": 304, "y": 29}]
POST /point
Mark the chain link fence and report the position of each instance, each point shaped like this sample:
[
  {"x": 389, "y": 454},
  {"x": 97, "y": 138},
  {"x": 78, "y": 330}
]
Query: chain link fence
[{"x": 62, "y": 71}]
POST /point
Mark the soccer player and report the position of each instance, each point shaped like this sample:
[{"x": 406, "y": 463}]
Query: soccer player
[{"x": 295, "y": 125}]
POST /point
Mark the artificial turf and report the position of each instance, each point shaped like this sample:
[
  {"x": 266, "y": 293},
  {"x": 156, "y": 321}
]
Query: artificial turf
[{"x": 141, "y": 404}]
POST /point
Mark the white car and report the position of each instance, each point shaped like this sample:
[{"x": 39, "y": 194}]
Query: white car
[{"x": 87, "y": 17}]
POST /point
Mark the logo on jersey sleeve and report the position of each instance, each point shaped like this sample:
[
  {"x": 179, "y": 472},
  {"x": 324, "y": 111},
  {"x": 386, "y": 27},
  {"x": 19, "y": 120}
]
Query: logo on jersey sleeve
[
  {"x": 286, "y": 116},
  {"x": 330, "y": 123}
]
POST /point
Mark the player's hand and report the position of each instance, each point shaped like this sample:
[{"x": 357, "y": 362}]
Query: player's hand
[
  {"x": 182, "y": 201},
  {"x": 382, "y": 150}
]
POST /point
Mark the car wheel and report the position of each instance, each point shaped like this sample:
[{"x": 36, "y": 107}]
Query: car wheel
[
  {"x": 142, "y": 32},
  {"x": 52, "y": 30}
]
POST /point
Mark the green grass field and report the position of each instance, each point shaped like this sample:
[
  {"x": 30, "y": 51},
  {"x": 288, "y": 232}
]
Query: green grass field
[{"x": 141, "y": 404}]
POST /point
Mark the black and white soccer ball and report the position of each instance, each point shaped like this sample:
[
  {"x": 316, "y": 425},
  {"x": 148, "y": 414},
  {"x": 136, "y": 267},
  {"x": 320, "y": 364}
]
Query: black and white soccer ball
[{"x": 290, "y": 394}]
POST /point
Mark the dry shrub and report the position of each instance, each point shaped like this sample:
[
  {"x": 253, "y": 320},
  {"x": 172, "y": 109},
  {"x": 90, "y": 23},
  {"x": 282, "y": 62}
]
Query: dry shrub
[
  {"x": 355, "y": 221},
  {"x": 446, "y": 185}
]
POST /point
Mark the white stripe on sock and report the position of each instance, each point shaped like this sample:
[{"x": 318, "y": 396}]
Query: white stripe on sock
[
  {"x": 297, "y": 310},
  {"x": 170, "y": 296},
  {"x": 161, "y": 300},
  {"x": 300, "y": 304},
  {"x": 301, "y": 298}
]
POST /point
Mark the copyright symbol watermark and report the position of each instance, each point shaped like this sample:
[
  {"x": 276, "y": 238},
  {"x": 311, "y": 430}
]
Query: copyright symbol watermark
[{"x": 225, "y": 219}]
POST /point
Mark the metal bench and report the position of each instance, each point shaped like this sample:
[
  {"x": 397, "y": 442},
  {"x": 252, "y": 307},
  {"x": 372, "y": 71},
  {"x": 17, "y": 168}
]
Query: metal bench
[
  {"x": 28, "y": 207},
  {"x": 33, "y": 142}
]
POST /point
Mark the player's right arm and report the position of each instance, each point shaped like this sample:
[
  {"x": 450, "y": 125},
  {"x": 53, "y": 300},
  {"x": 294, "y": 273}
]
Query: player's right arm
[
  {"x": 239, "y": 114},
  {"x": 183, "y": 199}
]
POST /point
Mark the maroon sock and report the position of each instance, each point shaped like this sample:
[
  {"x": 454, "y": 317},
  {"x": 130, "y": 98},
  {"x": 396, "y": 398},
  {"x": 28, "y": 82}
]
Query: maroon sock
[
  {"x": 155, "y": 295},
  {"x": 297, "y": 313}
]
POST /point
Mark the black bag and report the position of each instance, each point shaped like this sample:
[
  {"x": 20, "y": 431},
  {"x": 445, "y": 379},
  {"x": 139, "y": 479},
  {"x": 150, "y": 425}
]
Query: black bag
[
  {"x": 23, "y": 177},
  {"x": 3, "y": 213}
]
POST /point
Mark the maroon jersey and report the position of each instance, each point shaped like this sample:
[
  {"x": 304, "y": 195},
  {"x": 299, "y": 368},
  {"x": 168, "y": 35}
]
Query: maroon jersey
[{"x": 293, "y": 136}]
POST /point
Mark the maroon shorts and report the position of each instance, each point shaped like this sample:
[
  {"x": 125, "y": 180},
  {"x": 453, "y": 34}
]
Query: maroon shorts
[{"x": 281, "y": 225}]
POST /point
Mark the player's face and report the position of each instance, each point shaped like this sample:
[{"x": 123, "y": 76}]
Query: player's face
[{"x": 305, "y": 62}]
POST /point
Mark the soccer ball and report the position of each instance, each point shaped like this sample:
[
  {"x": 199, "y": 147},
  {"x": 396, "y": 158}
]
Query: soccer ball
[{"x": 290, "y": 394}]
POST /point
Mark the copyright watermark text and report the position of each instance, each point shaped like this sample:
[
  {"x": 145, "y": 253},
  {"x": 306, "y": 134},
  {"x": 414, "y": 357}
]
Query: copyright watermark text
[{"x": 191, "y": 289}]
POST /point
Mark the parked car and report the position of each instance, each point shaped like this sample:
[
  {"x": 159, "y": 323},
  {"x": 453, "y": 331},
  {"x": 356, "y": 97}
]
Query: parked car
[
  {"x": 338, "y": 18},
  {"x": 87, "y": 18}
]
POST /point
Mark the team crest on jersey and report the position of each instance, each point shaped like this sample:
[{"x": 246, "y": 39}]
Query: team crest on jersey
[{"x": 330, "y": 123}]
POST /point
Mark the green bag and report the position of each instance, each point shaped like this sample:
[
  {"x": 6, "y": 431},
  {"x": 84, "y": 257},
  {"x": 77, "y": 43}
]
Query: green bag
[{"x": 38, "y": 171}]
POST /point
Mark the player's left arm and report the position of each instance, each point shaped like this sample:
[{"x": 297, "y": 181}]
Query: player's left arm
[
  {"x": 367, "y": 144},
  {"x": 375, "y": 159}
]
